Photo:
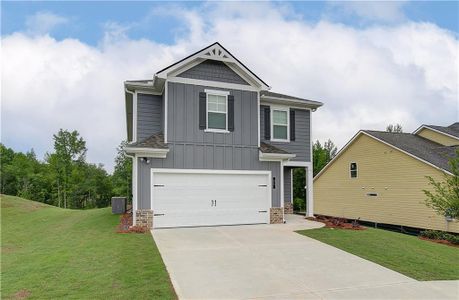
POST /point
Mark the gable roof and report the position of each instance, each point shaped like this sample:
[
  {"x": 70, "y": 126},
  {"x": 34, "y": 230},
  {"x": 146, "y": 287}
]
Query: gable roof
[
  {"x": 451, "y": 130},
  {"x": 214, "y": 51},
  {"x": 268, "y": 95},
  {"x": 422, "y": 148},
  {"x": 429, "y": 152}
]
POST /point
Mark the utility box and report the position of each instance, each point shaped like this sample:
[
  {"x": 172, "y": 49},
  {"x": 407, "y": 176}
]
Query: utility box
[{"x": 119, "y": 205}]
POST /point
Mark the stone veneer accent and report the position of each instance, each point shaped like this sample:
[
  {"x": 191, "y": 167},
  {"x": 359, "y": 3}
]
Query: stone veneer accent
[
  {"x": 276, "y": 215},
  {"x": 144, "y": 217},
  {"x": 288, "y": 208}
]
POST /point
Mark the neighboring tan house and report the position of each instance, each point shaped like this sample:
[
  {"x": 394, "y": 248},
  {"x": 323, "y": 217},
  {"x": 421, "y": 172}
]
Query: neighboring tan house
[
  {"x": 379, "y": 177},
  {"x": 211, "y": 145}
]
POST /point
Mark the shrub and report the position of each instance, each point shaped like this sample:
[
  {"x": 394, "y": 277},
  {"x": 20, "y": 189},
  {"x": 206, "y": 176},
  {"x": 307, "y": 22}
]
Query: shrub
[
  {"x": 440, "y": 235},
  {"x": 299, "y": 204}
]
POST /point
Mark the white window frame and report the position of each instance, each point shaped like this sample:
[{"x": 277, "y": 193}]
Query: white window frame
[
  {"x": 356, "y": 170},
  {"x": 287, "y": 110},
  {"x": 216, "y": 93}
]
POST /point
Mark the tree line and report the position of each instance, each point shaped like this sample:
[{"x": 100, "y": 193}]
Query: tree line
[{"x": 63, "y": 177}]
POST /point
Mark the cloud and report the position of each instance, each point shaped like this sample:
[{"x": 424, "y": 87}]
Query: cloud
[
  {"x": 367, "y": 77},
  {"x": 43, "y": 22},
  {"x": 382, "y": 11}
]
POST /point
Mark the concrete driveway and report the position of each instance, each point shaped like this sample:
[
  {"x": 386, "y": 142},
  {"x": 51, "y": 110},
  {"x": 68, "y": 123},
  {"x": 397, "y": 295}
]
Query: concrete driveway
[{"x": 273, "y": 262}]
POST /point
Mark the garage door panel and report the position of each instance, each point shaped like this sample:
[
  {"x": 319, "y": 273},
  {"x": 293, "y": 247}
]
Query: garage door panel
[{"x": 195, "y": 199}]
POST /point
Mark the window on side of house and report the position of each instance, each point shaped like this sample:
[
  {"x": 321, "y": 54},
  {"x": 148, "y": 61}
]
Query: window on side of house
[
  {"x": 353, "y": 169},
  {"x": 217, "y": 111},
  {"x": 280, "y": 125}
]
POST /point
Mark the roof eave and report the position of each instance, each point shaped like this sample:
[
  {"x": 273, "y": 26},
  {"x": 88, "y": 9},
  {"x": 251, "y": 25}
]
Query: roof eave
[{"x": 301, "y": 103}]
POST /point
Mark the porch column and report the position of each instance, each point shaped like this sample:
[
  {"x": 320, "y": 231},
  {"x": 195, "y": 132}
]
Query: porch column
[{"x": 309, "y": 193}]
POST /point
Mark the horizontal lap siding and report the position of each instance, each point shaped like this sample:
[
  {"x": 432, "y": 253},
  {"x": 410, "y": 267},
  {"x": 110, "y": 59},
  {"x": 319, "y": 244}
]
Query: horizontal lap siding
[
  {"x": 438, "y": 137},
  {"x": 214, "y": 71},
  {"x": 301, "y": 145},
  {"x": 397, "y": 178},
  {"x": 149, "y": 115}
]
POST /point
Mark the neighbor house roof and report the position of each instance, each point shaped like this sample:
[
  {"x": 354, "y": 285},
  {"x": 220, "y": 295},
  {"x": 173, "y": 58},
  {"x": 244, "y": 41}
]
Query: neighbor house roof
[
  {"x": 154, "y": 141},
  {"x": 452, "y": 129},
  {"x": 429, "y": 151}
]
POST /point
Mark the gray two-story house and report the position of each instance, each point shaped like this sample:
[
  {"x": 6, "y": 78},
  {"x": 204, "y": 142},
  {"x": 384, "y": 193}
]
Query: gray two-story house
[{"x": 211, "y": 145}]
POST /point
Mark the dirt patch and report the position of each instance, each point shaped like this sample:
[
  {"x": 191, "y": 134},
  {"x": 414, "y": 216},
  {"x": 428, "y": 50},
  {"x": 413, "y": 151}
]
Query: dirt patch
[
  {"x": 22, "y": 294},
  {"x": 339, "y": 223},
  {"x": 444, "y": 242},
  {"x": 125, "y": 225},
  {"x": 6, "y": 249}
]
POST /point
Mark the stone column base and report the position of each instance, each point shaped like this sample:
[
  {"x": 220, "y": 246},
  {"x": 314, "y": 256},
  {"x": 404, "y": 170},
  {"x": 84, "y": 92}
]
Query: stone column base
[
  {"x": 288, "y": 208},
  {"x": 144, "y": 218},
  {"x": 276, "y": 215}
]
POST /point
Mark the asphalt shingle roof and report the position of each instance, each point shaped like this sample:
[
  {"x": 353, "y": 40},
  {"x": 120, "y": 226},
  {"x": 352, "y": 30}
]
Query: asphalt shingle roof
[
  {"x": 155, "y": 141},
  {"x": 268, "y": 148},
  {"x": 452, "y": 129},
  {"x": 432, "y": 152}
]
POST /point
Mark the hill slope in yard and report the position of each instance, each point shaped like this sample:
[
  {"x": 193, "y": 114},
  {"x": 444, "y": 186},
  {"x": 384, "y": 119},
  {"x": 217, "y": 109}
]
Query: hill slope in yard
[{"x": 49, "y": 252}]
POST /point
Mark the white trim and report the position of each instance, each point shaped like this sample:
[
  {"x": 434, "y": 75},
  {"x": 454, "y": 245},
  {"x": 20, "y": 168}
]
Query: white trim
[
  {"x": 262, "y": 156},
  {"x": 148, "y": 152},
  {"x": 165, "y": 110},
  {"x": 221, "y": 94},
  {"x": 293, "y": 163},
  {"x": 369, "y": 135},
  {"x": 134, "y": 117},
  {"x": 301, "y": 103},
  {"x": 217, "y": 84},
  {"x": 285, "y": 109},
  {"x": 435, "y": 130},
  {"x": 134, "y": 189},
  {"x": 186, "y": 67},
  {"x": 282, "y": 190},
  {"x": 258, "y": 118},
  {"x": 214, "y": 52},
  {"x": 310, "y": 192},
  {"x": 356, "y": 170},
  {"x": 291, "y": 186}
]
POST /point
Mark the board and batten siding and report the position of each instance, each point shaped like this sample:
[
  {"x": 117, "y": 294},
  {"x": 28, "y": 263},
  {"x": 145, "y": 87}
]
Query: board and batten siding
[
  {"x": 213, "y": 70},
  {"x": 192, "y": 148},
  {"x": 398, "y": 180},
  {"x": 287, "y": 185},
  {"x": 438, "y": 137},
  {"x": 302, "y": 144},
  {"x": 149, "y": 115}
]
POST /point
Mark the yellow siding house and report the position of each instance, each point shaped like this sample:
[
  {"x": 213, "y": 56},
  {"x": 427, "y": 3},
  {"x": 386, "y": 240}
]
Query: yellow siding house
[{"x": 379, "y": 177}]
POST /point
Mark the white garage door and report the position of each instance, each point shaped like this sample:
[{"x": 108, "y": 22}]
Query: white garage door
[{"x": 206, "y": 198}]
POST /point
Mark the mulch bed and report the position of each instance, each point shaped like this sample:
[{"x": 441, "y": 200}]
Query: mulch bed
[
  {"x": 444, "y": 242},
  {"x": 339, "y": 223},
  {"x": 125, "y": 225}
]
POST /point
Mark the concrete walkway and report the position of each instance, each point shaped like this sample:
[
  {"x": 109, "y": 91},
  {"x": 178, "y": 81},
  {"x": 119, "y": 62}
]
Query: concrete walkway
[{"x": 273, "y": 262}]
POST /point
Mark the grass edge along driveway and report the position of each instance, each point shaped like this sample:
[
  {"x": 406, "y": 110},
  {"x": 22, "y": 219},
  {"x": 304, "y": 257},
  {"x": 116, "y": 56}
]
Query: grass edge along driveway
[
  {"x": 409, "y": 255},
  {"x": 52, "y": 253}
]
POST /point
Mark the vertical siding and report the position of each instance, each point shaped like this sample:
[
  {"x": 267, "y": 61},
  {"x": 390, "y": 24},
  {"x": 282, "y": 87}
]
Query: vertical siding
[
  {"x": 149, "y": 115},
  {"x": 397, "y": 178},
  {"x": 301, "y": 145},
  {"x": 193, "y": 157},
  {"x": 438, "y": 137},
  {"x": 287, "y": 185},
  {"x": 214, "y": 71}
]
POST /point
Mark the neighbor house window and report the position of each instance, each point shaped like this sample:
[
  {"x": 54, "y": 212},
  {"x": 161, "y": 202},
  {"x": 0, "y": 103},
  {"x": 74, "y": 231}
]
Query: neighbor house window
[
  {"x": 353, "y": 169},
  {"x": 280, "y": 124},
  {"x": 217, "y": 110}
]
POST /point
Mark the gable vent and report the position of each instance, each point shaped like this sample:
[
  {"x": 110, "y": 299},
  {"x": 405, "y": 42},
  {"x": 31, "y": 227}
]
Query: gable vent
[{"x": 215, "y": 53}]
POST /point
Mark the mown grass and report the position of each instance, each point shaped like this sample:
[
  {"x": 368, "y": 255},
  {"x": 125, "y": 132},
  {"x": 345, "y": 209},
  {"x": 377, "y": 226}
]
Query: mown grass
[
  {"x": 52, "y": 253},
  {"x": 409, "y": 255}
]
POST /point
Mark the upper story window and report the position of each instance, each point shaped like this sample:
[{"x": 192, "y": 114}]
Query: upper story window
[
  {"x": 353, "y": 169},
  {"x": 217, "y": 111},
  {"x": 280, "y": 124}
]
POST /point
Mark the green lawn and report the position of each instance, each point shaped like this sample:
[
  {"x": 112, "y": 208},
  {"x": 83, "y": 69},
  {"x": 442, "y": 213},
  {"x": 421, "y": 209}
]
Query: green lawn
[
  {"x": 421, "y": 260},
  {"x": 52, "y": 253}
]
